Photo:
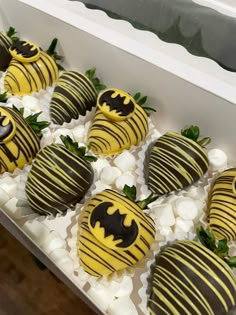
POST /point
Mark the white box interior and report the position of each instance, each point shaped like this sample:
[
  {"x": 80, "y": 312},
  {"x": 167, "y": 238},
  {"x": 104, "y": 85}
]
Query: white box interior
[{"x": 184, "y": 89}]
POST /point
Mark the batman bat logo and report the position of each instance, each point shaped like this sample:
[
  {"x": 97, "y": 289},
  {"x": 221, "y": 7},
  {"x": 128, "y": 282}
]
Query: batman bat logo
[
  {"x": 113, "y": 226},
  {"x": 25, "y": 51},
  {"x": 117, "y": 102},
  {"x": 6, "y": 131}
]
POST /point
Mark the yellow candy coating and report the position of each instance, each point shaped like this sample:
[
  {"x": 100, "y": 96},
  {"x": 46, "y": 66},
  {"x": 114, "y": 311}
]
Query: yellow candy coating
[
  {"x": 18, "y": 142},
  {"x": 222, "y": 206},
  {"x": 27, "y": 77},
  {"x": 114, "y": 233},
  {"x": 108, "y": 136}
]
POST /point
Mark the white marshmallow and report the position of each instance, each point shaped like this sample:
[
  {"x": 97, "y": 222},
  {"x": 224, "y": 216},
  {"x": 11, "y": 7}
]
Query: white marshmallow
[
  {"x": 3, "y": 196},
  {"x": 125, "y": 161},
  {"x": 11, "y": 209},
  {"x": 183, "y": 225},
  {"x": 78, "y": 133},
  {"x": 101, "y": 297},
  {"x": 100, "y": 186},
  {"x": 31, "y": 103},
  {"x": 38, "y": 231},
  {"x": 180, "y": 235},
  {"x": 99, "y": 165},
  {"x": 124, "y": 179},
  {"x": 14, "y": 101},
  {"x": 165, "y": 230},
  {"x": 164, "y": 215},
  {"x": 186, "y": 208},
  {"x": 66, "y": 264},
  {"x": 126, "y": 287},
  {"x": 217, "y": 159},
  {"x": 47, "y": 137},
  {"x": 122, "y": 305},
  {"x": 61, "y": 258},
  {"x": 58, "y": 254},
  {"x": 109, "y": 174},
  {"x": 27, "y": 112},
  {"x": 52, "y": 242},
  {"x": 59, "y": 132},
  {"x": 196, "y": 193},
  {"x": 9, "y": 185},
  {"x": 113, "y": 285},
  {"x": 169, "y": 238}
]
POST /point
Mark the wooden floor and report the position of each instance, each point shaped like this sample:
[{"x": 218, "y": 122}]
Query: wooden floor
[{"x": 27, "y": 290}]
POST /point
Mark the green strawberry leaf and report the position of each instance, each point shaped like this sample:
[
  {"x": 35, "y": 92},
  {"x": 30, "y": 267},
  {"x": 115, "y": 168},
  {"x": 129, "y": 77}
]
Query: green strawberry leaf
[
  {"x": 3, "y": 97},
  {"x": 52, "y": 47},
  {"x": 207, "y": 238},
  {"x": 20, "y": 110},
  {"x": 145, "y": 202},
  {"x": 137, "y": 96},
  {"x": 90, "y": 74},
  {"x": 231, "y": 261},
  {"x": 141, "y": 100},
  {"x": 74, "y": 148},
  {"x": 90, "y": 158},
  {"x": 130, "y": 192},
  {"x": 220, "y": 248},
  {"x": 204, "y": 141},
  {"x": 11, "y": 34},
  {"x": 51, "y": 51},
  {"x": 32, "y": 120},
  {"x": 193, "y": 132}
]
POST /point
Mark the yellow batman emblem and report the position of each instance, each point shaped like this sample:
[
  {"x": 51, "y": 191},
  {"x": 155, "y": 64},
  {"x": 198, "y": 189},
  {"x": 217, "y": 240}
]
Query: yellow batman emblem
[
  {"x": 116, "y": 104},
  {"x": 25, "y": 51},
  {"x": 114, "y": 225}
]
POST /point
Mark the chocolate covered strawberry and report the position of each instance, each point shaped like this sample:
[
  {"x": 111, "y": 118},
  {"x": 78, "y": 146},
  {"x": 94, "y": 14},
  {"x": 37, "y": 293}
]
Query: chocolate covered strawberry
[
  {"x": 75, "y": 93},
  {"x": 176, "y": 161},
  {"x": 19, "y": 137},
  {"x": 189, "y": 278},
  {"x": 114, "y": 232},
  {"x": 222, "y": 205},
  {"x": 59, "y": 178},
  {"x": 6, "y": 40}
]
